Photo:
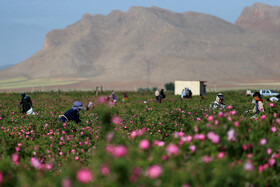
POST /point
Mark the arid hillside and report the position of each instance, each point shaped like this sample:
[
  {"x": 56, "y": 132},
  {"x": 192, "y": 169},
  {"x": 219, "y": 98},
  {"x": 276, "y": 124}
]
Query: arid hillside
[{"x": 158, "y": 46}]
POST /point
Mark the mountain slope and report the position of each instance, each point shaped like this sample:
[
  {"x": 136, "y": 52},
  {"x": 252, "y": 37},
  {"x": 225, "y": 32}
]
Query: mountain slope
[
  {"x": 260, "y": 17},
  {"x": 153, "y": 44}
]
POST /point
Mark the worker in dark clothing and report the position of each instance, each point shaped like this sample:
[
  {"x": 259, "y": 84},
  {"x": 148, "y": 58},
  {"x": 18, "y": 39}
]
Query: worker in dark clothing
[
  {"x": 73, "y": 113},
  {"x": 25, "y": 102}
]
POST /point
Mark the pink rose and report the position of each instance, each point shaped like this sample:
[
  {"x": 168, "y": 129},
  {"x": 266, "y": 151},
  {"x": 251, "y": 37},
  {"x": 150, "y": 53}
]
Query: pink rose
[
  {"x": 229, "y": 107},
  {"x": 206, "y": 159},
  {"x": 192, "y": 148},
  {"x": 220, "y": 114},
  {"x": 15, "y": 158},
  {"x": 221, "y": 155},
  {"x": 268, "y": 151},
  {"x": 104, "y": 170},
  {"x": 35, "y": 163},
  {"x": 263, "y": 117},
  {"x": 84, "y": 176},
  {"x": 248, "y": 166},
  {"x": 119, "y": 151},
  {"x": 133, "y": 134},
  {"x": 154, "y": 171},
  {"x": 172, "y": 149},
  {"x": 1, "y": 177},
  {"x": 273, "y": 129},
  {"x": 263, "y": 141},
  {"x": 210, "y": 118},
  {"x": 144, "y": 144},
  {"x": 116, "y": 120},
  {"x": 271, "y": 161}
]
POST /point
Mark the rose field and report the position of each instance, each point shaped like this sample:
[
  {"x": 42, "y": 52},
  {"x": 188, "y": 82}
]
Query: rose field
[{"x": 139, "y": 142}]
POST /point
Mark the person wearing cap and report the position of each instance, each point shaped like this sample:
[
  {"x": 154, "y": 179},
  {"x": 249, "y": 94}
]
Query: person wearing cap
[
  {"x": 25, "y": 102},
  {"x": 113, "y": 97},
  {"x": 219, "y": 102},
  {"x": 274, "y": 99},
  {"x": 73, "y": 113}
]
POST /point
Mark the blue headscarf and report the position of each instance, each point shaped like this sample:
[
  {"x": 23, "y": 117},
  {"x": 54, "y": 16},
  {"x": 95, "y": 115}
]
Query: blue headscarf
[{"x": 24, "y": 95}]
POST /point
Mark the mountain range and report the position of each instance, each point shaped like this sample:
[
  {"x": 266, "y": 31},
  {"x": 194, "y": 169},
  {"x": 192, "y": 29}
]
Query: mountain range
[{"x": 157, "y": 46}]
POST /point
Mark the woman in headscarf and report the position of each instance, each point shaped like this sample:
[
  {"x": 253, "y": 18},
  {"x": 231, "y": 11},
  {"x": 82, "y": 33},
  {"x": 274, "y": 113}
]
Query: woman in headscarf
[
  {"x": 219, "y": 102},
  {"x": 25, "y": 102},
  {"x": 73, "y": 113}
]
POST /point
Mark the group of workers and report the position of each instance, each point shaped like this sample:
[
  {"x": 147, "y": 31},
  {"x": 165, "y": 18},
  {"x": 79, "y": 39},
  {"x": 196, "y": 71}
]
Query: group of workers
[
  {"x": 186, "y": 93},
  {"x": 73, "y": 113}
]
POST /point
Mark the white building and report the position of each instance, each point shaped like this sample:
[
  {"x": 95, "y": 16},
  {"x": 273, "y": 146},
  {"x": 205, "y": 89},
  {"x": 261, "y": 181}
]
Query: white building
[{"x": 197, "y": 87}]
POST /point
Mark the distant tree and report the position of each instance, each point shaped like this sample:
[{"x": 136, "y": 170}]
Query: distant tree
[{"x": 169, "y": 86}]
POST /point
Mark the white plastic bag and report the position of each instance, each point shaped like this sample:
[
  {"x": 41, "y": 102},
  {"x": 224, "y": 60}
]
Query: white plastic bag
[{"x": 30, "y": 111}]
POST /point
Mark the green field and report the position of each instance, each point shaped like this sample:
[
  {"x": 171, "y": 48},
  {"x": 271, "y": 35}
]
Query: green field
[
  {"x": 138, "y": 142},
  {"x": 22, "y": 82}
]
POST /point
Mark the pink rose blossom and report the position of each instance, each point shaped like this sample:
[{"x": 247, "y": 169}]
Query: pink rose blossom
[
  {"x": 109, "y": 136},
  {"x": 213, "y": 137},
  {"x": 66, "y": 182},
  {"x": 221, "y": 155},
  {"x": 119, "y": 151},
  {"x": 210, "y": 118},
  {"x": 271, "y": 104},
  {"x": 271, "y": 161},
  {"x": 104, "y": 170},
  {"x": 17, "y": 149},
  {"x": 248, "y": 166},
  {"x": 231, "y": 135},
  {"x": 144, "y": 144},
  {"x": 273, "y": 129},
  {"x": 268, "y": 151},
  {"x": 263, "y": 117},
  {"x": 35, "y": 163},
  {"x": 192, "y": 148},
  {"x": 206, "y": 159},
  {"x": 102, "y": 99},
  {"x": 154, "y": 171},
  {"x": 116, "y": 120},
  {"x": 220, "y": 114},
  {"x": 263, "y": 141},
  {"x": 84, "y": 176},
  {"x": 172, "y": 149},
  {"x": 133, "y": 134},
  {"x": 15, "y": 158},
  {"x": 229, "y": 107},
  {"x": 1, "y": 177}
]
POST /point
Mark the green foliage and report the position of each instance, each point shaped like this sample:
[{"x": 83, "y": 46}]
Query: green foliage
[
  {"x": 169, "y": 86},
  {"x": 69, "y": 147}
]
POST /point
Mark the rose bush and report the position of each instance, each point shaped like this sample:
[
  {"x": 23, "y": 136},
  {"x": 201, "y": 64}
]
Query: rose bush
[{"x": 175, "y": 143}]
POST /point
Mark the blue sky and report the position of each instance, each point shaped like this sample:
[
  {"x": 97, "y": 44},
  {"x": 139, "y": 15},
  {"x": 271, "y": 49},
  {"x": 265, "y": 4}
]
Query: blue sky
[{"x": 24, "y": 23}]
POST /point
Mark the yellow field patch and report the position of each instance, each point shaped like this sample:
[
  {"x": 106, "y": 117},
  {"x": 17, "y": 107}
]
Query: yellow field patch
[{"x": 22, "y": 82}]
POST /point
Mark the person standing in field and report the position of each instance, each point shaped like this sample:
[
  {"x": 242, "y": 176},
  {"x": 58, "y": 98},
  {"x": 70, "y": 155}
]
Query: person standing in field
[
  {"x": 259, "y": 107},
  {"x": 161, "y": 95},
  {"x": 189, "y": 93},
  {"x": 183, "y": 94},
  {"x": 26, "y": 104},
  {"x": 157, "y": 96},
  {"x": 73, "y": 113},
  {"x": 248, "y": 92},
  {"x": 124, "y": 96},
  {"x": 219, "y": 102}
]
